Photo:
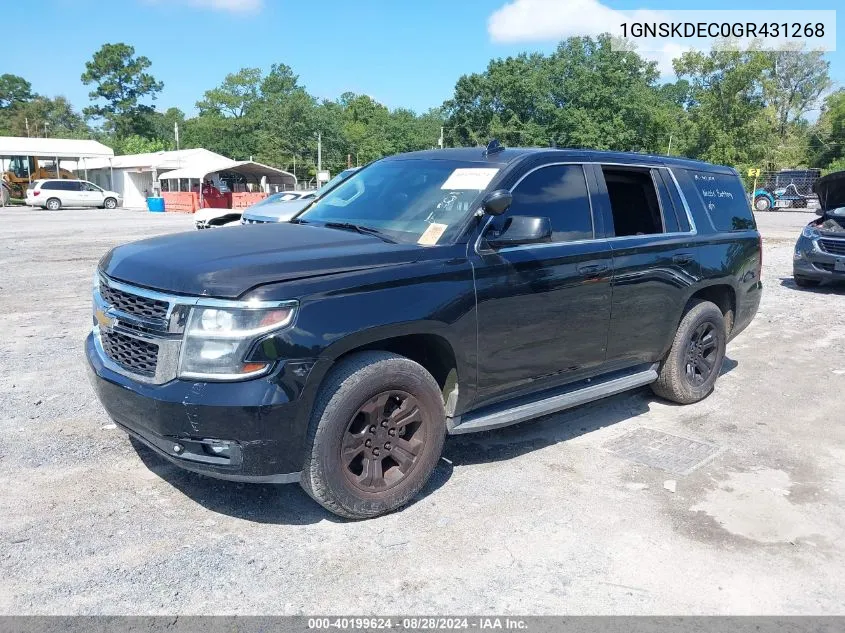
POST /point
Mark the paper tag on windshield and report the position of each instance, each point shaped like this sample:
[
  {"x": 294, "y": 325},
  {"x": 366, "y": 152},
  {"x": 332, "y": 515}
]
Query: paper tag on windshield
[
  {"x": 469, "y": 178},
  {"x": 432, "y": 233}
]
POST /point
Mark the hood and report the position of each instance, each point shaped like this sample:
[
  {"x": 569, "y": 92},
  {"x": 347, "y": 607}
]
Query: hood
[
  {"x": 277, "y": 211},
  {"x": 226, "y": 264},
  {"x": 831, "y": 190}
]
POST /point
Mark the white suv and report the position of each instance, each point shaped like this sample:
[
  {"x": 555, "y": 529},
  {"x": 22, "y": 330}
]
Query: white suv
[{"x": 55, "y": 194}]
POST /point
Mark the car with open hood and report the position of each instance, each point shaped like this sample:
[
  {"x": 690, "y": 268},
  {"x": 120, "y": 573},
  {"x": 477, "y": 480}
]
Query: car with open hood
[
  {"x": 820, "y": 250},
  {"x": 439, "y": 292}
]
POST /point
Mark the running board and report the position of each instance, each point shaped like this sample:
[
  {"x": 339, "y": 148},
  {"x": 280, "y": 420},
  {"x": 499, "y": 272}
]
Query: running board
[{"x": 471, "y": 423}]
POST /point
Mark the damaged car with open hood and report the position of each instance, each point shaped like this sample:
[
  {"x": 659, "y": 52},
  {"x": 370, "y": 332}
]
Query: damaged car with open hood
[{"x": 820, "y": 250}]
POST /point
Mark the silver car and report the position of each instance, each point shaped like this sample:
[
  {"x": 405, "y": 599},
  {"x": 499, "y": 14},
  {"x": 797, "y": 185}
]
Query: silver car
[{"x": 286, "y": 211}]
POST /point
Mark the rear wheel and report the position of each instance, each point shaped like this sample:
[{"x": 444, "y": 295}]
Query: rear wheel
[
  {"x": 762, "y": 203},
  {"x": 693, "y": 363},
  {"x": 110, "y": 203},
  {"x": 805, "y": 282},
  {"x": 54, "y": 204},
  {"x": 376, "y": 435}
]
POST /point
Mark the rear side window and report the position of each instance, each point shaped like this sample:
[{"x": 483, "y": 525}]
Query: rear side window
[
  {"x": 62, "y": 185},
  {"x": 724, "y": 200},
  {"x": 557, "y": 192},
  {"x": 633, "y": 201}
]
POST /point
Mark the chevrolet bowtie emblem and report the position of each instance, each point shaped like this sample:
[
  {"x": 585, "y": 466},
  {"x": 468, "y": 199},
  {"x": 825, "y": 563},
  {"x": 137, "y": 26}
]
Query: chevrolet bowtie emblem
[{"x": 104, "y": 320}]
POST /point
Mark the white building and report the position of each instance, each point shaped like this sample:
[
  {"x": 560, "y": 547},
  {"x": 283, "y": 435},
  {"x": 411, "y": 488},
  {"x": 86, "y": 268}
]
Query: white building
[{"x": 134, "y": 175}]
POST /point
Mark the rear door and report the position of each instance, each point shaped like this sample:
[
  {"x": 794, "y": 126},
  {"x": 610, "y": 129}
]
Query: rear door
[
  {"x": 70, "y": 192},
  {"x": 655, "y": 260},
  {"x": 543, "y": 309}
]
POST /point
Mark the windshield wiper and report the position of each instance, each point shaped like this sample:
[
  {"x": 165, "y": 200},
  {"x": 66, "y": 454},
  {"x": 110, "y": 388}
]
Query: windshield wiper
[{"x": 364, "y": 230}]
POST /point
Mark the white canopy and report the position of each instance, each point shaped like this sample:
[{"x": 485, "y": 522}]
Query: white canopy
[
  {"x": 200, "y": 169},
  {"x": 52, "y": 148}
]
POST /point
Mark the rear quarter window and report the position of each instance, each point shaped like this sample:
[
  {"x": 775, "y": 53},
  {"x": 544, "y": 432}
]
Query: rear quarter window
[{"x": 724, "y": 200}]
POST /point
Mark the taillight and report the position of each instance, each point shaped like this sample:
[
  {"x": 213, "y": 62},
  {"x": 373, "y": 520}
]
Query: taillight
[{"x": 35, "y": 193}]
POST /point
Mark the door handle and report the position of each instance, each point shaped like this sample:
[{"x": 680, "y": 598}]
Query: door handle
[
  {"x": 682, "y": 258},
  {"x": 592, "y": 270}
]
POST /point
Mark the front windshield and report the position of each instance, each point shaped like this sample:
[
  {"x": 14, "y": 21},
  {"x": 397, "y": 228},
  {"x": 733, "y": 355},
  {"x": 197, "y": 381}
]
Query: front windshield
[{"x": 407, "y": 200}]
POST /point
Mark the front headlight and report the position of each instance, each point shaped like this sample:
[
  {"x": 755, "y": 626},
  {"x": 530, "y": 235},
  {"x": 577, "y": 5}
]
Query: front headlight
[
  {"x": 218, "y": 339},
  {"x": 810, "y": 232}
]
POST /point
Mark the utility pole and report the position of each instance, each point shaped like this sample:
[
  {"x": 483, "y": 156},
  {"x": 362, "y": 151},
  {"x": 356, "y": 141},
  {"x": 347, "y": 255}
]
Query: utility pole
[
  {"x": 319, "y": 157},
  {"x": 26, "y": 120},
  {"x": 176, "y": 133},
  {"x": 440, "y": 140}
]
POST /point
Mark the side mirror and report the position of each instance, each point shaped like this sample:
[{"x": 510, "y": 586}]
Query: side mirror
[
  {"x": 522, "y": 229},
  {"x": 497, "y": 202}
]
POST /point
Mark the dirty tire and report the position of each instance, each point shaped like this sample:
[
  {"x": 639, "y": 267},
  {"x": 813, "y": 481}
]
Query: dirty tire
[
  {"x": 351, "y": 386},
  {"x": 674, "y": 381},
  {"x": 54, "y": 204},
  {"x": 109, "y": 203},
  {"x": 804, "y": 282}
]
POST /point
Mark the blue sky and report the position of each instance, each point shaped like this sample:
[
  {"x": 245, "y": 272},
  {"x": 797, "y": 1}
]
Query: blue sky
[{"x": 400, "y": 52}]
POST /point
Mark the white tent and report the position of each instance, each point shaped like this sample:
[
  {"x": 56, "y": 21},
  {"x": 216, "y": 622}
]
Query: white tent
[
  {"x": 53, "y": 148},
  {"x": 250, "y": 170}
]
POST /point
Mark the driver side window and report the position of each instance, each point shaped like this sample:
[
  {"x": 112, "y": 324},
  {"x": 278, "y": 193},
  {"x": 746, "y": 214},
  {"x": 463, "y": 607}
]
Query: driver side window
[{"x": 557, "y": 192}]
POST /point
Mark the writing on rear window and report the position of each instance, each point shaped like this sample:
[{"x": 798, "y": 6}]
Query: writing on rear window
[{"x": 725, "y": 201}]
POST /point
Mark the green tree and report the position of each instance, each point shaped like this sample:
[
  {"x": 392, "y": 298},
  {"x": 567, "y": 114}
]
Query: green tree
[
  {"x": 43, "y": 116},
  {"x": 726, "y": 107},
  {"x": 582, "y": 95},
  {"x": 137, "y": 145},
  {"x": 14, "y": 90},
  {"x": 122, "y": 83},
  {"x": 827, "y": 144},
  {"x": 793, "y": 84}
]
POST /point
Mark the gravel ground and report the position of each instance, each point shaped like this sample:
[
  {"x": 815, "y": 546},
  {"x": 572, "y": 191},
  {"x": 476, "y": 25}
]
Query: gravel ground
[{"x": 537, "y": 519}]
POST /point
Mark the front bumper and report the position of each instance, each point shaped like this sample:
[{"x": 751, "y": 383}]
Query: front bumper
[
  {"x": 252, "y": 430},
  {"x": 811, "y": 262}
]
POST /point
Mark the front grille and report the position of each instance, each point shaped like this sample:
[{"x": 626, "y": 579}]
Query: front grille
[
  {"x": 834, "y": 247},
  {"x": 130, "y": 353},
  {"x": 135, "y": 305}
]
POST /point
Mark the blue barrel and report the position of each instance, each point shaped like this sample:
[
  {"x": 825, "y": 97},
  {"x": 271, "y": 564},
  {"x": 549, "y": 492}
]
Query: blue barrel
[{"x": 155, "y": 204}]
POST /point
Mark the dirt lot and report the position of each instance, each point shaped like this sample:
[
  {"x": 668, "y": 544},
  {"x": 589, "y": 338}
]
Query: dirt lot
[{"x": 538, "y": 519}]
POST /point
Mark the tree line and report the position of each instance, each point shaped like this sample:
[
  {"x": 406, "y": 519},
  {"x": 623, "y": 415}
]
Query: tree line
[{"x": 745, "y": 108}]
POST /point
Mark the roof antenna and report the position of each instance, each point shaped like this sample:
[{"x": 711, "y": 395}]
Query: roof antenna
[{"x": 494, "y": 147}]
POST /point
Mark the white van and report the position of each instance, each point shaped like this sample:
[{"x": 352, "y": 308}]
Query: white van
[{"x": 55, "y": 194}]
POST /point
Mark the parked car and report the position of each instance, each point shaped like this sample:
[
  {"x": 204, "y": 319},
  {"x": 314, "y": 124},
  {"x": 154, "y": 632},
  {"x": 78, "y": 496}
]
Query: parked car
[
  {"x": 820, "y": 250},
  {"x": 435, "y": 292},
  {"x": 214, "y": 218},
  {"x": 54, "y": 194},
  {"x": 788, "y": 189},
  {"x": 286, "y": 210}
]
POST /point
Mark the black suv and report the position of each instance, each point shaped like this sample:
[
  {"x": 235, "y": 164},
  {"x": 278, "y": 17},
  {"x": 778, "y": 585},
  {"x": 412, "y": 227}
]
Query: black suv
[{"x": 436, "y": 292}]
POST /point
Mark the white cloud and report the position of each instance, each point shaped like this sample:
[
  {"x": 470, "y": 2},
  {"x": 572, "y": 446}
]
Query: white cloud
[
  {"x": 550, "y": 20},
  {"x": 231, "y": 6}
]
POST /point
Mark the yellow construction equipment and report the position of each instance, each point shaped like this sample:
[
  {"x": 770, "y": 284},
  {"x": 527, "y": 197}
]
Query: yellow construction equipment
[{"x": 25, "y": 169}]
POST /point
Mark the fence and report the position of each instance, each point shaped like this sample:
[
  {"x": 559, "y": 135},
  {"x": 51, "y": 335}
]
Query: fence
[{"x": 784, "y": 189}]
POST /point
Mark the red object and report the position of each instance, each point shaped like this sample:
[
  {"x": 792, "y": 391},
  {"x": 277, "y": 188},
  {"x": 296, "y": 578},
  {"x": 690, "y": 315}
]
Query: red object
[
  {"x": 35, "y": 193},
  {"x": 212, "y": 198}
]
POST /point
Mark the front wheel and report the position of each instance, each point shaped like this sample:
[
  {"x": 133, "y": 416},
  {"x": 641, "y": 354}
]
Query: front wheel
[
  {"x": 376, "y": 434},
  {"x": 692, "y": 365},
  {"x": 110, "y": 203}
]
